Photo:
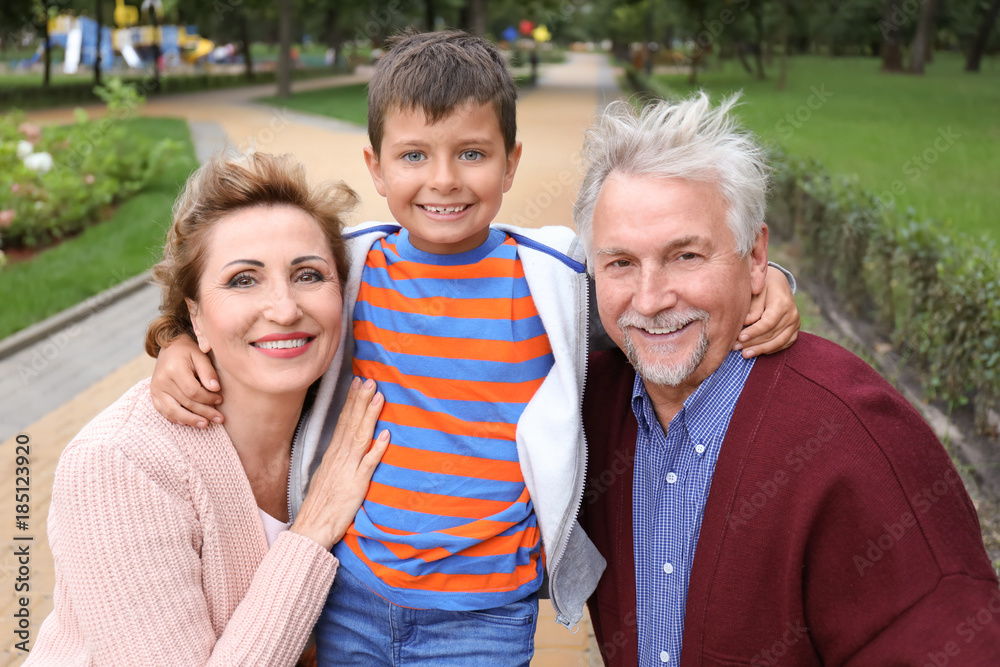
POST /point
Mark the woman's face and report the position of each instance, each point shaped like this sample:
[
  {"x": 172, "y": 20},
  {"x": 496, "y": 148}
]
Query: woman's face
[{"x": 269, "y": 303}]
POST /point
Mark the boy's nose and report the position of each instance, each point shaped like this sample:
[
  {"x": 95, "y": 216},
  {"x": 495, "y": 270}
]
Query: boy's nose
[{"x": 444, "y": 177}]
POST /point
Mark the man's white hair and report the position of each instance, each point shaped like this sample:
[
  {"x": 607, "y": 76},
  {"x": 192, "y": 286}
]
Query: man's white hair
[{"x": 689, "y": 139}]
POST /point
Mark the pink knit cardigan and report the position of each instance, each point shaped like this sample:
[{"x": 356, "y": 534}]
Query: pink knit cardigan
[{"x": 160, "y": 553}]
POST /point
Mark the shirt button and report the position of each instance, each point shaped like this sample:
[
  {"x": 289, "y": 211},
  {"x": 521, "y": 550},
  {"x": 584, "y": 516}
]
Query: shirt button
[
  {"x": 668, "y": 568},
  {"x": 664, "y": 656},
  {"x": 700, "y": 449},
  {"x": 671, "y": 477}
]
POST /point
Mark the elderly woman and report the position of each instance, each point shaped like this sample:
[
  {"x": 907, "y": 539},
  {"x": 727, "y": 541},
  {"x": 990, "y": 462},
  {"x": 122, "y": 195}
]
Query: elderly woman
[{"x": 171, "y": 544}]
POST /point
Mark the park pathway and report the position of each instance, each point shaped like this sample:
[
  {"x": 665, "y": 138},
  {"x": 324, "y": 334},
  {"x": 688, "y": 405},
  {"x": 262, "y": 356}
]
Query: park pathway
[{"x": 55, "y": 383}]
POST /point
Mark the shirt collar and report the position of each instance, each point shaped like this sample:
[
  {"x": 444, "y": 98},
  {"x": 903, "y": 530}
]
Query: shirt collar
[{"x": 706, "y": 412}]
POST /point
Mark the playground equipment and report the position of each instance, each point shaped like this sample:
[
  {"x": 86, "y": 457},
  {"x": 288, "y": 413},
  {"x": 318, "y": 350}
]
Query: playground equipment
[{"x": 77, "y": 35}]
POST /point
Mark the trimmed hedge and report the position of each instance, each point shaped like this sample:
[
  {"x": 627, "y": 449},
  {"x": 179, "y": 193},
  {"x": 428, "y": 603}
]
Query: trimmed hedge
[
  {"x": 933, "y": 292},
  {"x": 65, "y": 94}
]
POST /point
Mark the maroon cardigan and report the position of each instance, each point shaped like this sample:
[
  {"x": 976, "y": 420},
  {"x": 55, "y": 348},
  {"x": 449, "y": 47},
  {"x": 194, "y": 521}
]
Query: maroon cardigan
[{"x": 836, "y": 531}]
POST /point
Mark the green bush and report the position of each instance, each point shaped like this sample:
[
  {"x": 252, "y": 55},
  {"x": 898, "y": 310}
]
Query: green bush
[
  {"x": 79, "y": 169},
  {"x": 933, "y": 292}
]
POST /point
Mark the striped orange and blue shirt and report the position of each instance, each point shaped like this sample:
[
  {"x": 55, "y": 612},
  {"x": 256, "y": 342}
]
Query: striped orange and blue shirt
[{"x": 458, "y": 349}]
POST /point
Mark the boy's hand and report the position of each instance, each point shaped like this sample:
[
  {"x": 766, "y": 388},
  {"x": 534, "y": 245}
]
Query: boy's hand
[
  {"x": 184, "y": 385},
  {"x": 773, "y": 321}
]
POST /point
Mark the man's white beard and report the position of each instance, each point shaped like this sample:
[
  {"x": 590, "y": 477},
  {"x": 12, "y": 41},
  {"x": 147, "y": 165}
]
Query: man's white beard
[{"x": 662, "y": 373}]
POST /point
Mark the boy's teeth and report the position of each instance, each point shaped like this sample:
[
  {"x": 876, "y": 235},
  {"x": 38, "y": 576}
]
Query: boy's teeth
[
  {"x": 281, "y": 344},
  {"x": 445, "y": 209}
]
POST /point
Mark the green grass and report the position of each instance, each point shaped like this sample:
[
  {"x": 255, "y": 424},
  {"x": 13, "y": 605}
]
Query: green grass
[
  {"x": 348, "y": 103},
  {"x": 56, "y": 77},
  {"x": 103, "y": 255},
  {"x": 877, "y": 126}
]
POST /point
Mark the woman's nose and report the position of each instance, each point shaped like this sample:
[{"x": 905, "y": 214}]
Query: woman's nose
[{"x": 283, "y": 308}]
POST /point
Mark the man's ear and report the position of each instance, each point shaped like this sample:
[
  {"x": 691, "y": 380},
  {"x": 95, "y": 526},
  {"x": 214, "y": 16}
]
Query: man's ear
[
  {"x": 375, "y": 169},
  {"x": 195, "y": 314},
  {"x": 513, "y": 158},
  {"x": 758, "y": 261}
]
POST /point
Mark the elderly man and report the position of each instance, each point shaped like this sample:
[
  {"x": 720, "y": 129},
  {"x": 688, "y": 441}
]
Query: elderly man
[{"x": 791, "y": 509}]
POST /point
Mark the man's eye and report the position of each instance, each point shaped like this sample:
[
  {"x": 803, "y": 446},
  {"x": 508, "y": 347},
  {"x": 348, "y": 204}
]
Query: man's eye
[
  {"x": 621, "y": 263},
  {"x": 413, "y": 156},
  {"x": 472, "y": 155},
  {"x": 688, "y": 256}
]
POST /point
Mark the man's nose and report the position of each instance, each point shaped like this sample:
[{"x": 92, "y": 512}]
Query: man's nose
[{"x": 653, "y": 292}]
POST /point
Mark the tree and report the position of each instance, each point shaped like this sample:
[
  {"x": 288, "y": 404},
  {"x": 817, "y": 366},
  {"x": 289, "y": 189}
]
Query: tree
[
  {"x": 757, "y": 12},
  {"x": 99, "y": 17},
  {"x": 783, "y": 39},
  {"x": 477, "y": 17},
  {"x": 921, "y": 45},
  {"x": 153, "y": 6},
  {"x": 285, "y": 48},
  {"x": 892, "y": 48},
  {"x": 982, "y": 37}
]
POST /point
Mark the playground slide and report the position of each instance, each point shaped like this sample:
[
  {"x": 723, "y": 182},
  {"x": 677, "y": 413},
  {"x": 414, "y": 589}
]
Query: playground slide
[
  {"x": 127, "y": 51},
  {"x": 203, "y": 48},
  {"x": 74, "y": 41}
]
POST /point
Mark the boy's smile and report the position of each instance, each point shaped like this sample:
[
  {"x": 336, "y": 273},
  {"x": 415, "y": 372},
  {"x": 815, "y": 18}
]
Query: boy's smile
[{"x": 444, "y": 182}]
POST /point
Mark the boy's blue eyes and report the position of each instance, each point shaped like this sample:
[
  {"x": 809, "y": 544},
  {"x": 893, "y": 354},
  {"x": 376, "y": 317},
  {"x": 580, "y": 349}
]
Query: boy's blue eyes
[{"x": 417, "y": 156}]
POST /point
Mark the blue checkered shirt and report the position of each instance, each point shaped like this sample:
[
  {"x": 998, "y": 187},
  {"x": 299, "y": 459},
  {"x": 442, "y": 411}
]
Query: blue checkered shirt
[{"x": 673, "y": 474}]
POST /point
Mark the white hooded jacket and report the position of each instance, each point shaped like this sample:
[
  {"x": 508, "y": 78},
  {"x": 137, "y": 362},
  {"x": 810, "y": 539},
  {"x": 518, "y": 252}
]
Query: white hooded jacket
[{"x": 550, "y": 442}]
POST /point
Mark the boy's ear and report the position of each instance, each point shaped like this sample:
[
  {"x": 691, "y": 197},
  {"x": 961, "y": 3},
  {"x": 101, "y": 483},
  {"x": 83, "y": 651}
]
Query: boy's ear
[
  {"x": 512, "y": 160},
  {"x": 193, "y": 311},
  {"x": 375, "y": 169}
]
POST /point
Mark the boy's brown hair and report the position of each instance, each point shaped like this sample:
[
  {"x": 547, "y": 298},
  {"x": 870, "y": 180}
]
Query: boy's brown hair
[{"x": 438, "y": 72}]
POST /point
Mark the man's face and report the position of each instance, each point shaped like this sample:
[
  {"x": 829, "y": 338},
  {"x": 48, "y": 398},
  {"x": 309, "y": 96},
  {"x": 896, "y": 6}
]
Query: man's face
[{"x": 672, "y": 290}]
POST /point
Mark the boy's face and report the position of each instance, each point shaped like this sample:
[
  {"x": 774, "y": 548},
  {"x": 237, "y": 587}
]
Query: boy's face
[{"x": 444, "y": 182}]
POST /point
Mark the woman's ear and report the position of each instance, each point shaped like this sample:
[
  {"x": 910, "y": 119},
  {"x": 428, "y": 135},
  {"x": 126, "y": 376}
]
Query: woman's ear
[{"x": 195, "y": 314}]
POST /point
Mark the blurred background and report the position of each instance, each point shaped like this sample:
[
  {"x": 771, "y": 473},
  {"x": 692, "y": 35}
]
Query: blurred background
[{"x": 881, "y": 117}]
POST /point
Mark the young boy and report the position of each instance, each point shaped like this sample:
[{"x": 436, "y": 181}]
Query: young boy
[{"x": 476, "y": 335}]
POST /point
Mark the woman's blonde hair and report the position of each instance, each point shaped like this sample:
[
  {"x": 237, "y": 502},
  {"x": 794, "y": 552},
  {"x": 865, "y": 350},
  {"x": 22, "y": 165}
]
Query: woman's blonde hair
[{"x": 230, "y": 182}]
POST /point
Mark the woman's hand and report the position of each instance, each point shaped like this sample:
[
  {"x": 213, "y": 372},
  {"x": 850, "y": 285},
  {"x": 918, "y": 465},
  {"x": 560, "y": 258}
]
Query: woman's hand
[
  {"x": 773, "y": 321},
  {"x": 184, "y": 386},
  {"x": 340, "y": 484}
]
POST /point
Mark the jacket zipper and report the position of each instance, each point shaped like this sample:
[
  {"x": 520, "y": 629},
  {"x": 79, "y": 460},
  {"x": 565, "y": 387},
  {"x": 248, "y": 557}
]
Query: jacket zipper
[
  {"x": 291, "y": 464},
  {"x": 560, "y": 618}
]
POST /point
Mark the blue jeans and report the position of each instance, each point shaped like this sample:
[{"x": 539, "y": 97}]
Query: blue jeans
[{"x": 358, "y": 627}]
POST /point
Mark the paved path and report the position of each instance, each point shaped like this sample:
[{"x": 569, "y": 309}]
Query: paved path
[{"x": 49, "y": 390}]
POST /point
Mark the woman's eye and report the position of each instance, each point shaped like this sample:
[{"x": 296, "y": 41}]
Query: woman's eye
[
  {"x": 242, "y": 280},
  {"x": 311, "y": 276},
  {"x": 413, "y": 156},
  {"x": 472, "y": 155}
]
